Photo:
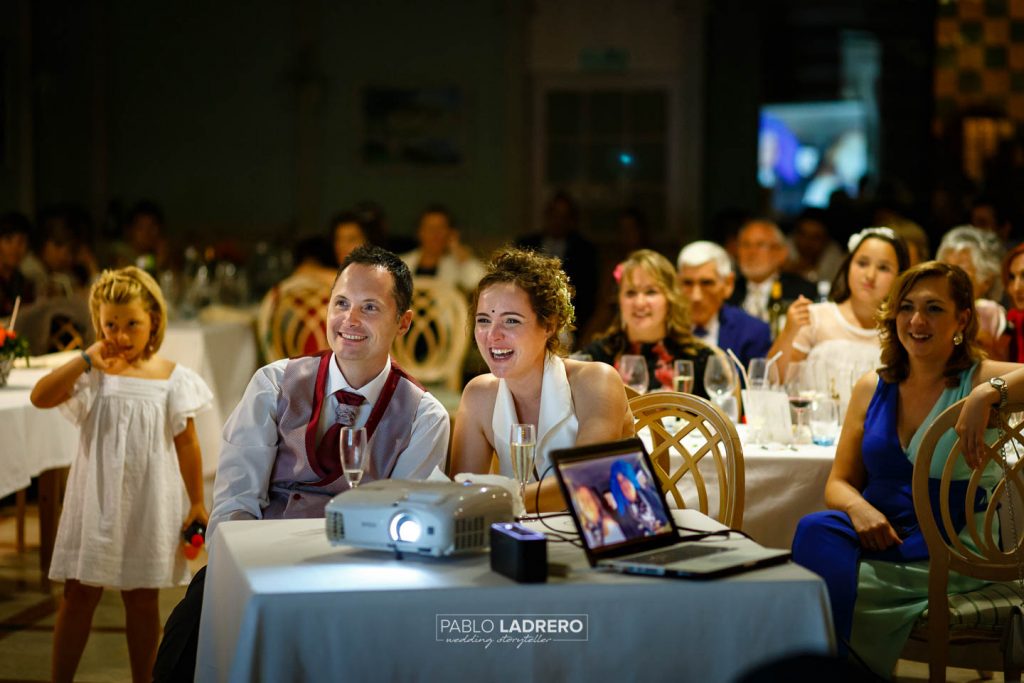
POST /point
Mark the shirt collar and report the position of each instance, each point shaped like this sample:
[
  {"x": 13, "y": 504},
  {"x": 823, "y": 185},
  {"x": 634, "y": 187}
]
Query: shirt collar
[
  {"x": 763, "y": 288},
  {"x": 370, "y": 391}
]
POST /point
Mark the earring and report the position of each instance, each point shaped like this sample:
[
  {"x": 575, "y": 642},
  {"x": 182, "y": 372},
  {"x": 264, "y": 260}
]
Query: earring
[{"x": 958, "y": 338}]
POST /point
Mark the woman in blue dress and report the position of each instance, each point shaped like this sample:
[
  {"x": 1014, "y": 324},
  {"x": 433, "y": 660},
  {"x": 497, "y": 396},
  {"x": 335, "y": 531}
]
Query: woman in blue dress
[{"x": 868, "y": 546}]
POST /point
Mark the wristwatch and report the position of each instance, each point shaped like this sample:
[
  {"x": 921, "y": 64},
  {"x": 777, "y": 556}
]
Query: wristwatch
[{"x": 999, "y": 384}]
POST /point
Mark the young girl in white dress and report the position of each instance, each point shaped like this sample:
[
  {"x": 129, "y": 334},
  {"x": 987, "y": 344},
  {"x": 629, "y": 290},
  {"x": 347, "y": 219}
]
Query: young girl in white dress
[{"x": 126, "y": 505}]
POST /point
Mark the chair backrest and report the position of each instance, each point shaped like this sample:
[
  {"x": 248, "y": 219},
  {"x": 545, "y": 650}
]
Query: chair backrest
[
  {"x": 701, "y": 430},
  {"x": 293, "y": 321},
  {"x": 947, "y": 550},
  {"x": 55, "y": 325},
  {"x": 435, "y": 346}
]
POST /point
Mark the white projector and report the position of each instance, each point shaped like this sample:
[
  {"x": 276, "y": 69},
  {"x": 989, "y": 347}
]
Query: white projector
[{"x": 422, "y": 517}]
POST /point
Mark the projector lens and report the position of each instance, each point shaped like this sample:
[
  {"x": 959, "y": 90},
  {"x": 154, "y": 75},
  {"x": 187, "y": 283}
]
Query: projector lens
[{"x": 404, "y": 527}]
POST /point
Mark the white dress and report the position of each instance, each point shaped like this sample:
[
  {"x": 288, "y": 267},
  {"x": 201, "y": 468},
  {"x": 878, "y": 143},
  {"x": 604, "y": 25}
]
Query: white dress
[
  {"x": 126, "y": 500},
  {"x": 558, "y": 424}
]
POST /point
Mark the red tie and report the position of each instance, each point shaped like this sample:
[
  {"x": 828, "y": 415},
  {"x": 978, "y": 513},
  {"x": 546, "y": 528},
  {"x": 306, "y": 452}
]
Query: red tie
[{"x": 328, "y": 453}]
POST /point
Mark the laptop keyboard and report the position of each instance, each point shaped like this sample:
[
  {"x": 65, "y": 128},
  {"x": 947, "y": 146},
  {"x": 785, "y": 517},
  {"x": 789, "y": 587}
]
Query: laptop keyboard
[{"x": 678, "y": 553}]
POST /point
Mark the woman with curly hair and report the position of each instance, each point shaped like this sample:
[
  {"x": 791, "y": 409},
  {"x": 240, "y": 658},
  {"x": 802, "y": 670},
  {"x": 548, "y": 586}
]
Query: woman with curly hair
[
  {"x": 868, "y": 547},
  {"x": 653, "y": 321},
  {"x": 521, "y": 305}
]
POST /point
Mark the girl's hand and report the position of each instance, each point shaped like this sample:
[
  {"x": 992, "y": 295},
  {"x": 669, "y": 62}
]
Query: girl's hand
[
  {"x": 196, "y": 513},
  {"x": 798, "y": 314},
  {"x": 106, "y": 357},
  {"x": 875, "y": 531},
  {"x": 975, "y": 416}
]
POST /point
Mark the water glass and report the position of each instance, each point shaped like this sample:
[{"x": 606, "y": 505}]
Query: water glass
[
  {"x": 682, "y": 376},
  {"x": 633, "y": 370},
  {"x": 352, "y": 444},
  {"x": 824, "y": 422}
]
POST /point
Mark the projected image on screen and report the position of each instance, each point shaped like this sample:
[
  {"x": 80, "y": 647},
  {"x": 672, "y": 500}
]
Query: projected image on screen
[
  {"x": 615, "y": 500},
  {"x": 807, "y": 151}
]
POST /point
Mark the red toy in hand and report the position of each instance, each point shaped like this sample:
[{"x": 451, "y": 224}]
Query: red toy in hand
[{"x": 194, "y": 537}]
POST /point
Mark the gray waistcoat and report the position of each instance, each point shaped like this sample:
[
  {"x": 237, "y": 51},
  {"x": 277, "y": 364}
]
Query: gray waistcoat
[{"x": 300, "y": 486}]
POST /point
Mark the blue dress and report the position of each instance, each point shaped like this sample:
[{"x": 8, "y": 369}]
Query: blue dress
[{"x": 877, "y": 596}]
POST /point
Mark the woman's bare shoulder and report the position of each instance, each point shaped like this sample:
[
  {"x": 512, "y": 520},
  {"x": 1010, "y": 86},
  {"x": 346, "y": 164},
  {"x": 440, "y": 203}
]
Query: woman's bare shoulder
[
  {"x": 588, "y": 371},
  {"x": 479, "y": 394}
]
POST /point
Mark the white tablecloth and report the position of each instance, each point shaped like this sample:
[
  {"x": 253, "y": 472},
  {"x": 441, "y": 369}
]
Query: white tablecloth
[
  {"x": 31, "y": 440},
  {"x": 224, "y": 354},
  {"x": 782, "y": 484},
  {"x": 282, "y": 604}
]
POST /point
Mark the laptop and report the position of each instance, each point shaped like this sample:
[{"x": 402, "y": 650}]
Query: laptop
[{"x": 626, "y": 526}]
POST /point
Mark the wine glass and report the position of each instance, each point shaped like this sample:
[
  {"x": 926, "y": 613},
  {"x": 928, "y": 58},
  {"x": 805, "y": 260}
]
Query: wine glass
[
  {"x": 720, "y": 382},
  {"x": 682, "y": 376},
  {"x": 633, "y": 370},
  {"x": 800, "y": 390},
  {"x": 523, "y": 449},
  {"x": 352, "y": 444}
]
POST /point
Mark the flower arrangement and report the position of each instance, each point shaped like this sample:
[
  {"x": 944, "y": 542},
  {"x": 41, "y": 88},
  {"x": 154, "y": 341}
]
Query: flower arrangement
[{"x": 11, "y": 345}]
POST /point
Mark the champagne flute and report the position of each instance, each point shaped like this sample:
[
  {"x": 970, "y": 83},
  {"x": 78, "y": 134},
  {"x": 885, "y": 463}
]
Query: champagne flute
[
  {"x": 523, "y": 449},
  {"x": 682, "y": 376},
  {"x": 352, "y": 444},
  {"x": 633, "y": 370}
]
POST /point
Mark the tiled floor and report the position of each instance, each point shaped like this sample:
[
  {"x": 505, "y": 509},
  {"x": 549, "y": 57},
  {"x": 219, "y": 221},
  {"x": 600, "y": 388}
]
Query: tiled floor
[{"x": 27, "y": 614}]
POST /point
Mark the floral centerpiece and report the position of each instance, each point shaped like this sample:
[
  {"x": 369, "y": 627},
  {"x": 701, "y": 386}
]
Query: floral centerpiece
[{"x": 11, "y": 346}]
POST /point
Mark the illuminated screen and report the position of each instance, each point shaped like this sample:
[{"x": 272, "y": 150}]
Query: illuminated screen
[
  {"x": 615, "y": 499},
  {"x": 807, "y": 151}
]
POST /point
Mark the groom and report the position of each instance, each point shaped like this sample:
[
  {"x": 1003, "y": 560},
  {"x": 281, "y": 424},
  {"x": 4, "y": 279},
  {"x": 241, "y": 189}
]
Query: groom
[{"x": 279, "y": 457}]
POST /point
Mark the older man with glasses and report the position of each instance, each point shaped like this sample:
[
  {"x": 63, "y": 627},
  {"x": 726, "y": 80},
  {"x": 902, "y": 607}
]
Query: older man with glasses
[{"x": 761, "y": 254}]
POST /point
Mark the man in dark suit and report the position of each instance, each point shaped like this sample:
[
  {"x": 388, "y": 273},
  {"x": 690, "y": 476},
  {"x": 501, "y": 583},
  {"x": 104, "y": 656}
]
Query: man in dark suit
[
  {"x": 561, "y": 238},
  {"x": 761, "y": 251},
  {"x": 706, "y": 279}
]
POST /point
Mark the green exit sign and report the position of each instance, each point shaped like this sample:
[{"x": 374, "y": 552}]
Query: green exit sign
[{"x": 604, "y": 59}]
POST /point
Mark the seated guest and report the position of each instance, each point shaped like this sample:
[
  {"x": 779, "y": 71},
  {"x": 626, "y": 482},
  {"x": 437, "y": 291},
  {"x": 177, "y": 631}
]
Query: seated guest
[
  {"x": 980, "y": 254},
  {"x": 60, "y": 262},
  {"x": 814, "y": 255},
  {"x": 14, "y": 233},
  {"x": 347, "y": 233},
  {"x": 844, "y": 328},
  {"x": 868, "y": 547},
  {"x": 280, "y": 459},
  {"x": 521, "y": 306},
  {"x": 761, "y": 251},
  {"x": 560, "y": 237},
  {"x": 706, "y": 280},
  {"x": 652, "y": 322},
  {"x": 440, "y": 253},
  {"x": 1013, "y": 282}
]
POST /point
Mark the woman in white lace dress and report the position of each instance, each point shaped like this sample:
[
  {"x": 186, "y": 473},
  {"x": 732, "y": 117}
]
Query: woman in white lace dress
[
  {"x": 136, "y": 481},
  {"x": 839, "y": 337}
]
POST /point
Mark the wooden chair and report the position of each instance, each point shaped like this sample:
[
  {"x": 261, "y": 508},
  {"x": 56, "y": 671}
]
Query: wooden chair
[
  {"x": 693, "y": 416},
  {"x": 434, "y": 348},
  {"x": 965, "y": 630},
  {"x": 292, "y": 320},
  {"x": 56, "y": 325}
]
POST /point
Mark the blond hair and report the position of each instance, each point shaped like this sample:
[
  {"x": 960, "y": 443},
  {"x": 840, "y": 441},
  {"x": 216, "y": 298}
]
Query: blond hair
[
  {"x": 123, "y": 286},
  {"x": 677, "y": 316}
]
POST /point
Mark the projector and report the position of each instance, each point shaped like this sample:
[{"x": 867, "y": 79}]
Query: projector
[{"x": 422, "y": 517}]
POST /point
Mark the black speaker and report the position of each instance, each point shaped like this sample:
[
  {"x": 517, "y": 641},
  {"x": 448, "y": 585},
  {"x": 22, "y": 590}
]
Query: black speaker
[{"x": 519, "y": 553}]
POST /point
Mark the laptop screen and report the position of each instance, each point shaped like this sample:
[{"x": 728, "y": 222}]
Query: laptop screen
[{"x": 614, "y": 495}]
